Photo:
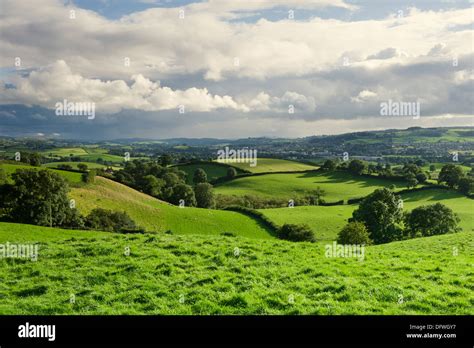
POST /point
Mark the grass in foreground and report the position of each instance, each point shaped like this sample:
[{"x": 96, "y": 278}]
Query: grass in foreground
[{"x": 169, "y": 274}]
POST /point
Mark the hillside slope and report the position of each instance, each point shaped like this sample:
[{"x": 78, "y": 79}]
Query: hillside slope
[{"x": 156, "y": 215}]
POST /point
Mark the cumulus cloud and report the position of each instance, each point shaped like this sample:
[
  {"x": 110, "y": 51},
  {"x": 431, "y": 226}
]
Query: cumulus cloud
[
  {"x": 57, "y": 82},
  {"x": 363, "y": 96}
]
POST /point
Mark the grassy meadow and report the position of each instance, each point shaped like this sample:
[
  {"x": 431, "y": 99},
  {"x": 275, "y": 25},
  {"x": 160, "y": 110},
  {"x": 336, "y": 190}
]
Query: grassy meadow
[
  {"x": 338, "y": 185},
  {"x": 268, "y": 165},
  {"x": 196, "y": 274}
]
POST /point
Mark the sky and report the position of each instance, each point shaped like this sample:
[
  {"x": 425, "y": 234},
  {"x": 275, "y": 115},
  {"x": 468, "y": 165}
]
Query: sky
[{"x": 233, "y": 68}]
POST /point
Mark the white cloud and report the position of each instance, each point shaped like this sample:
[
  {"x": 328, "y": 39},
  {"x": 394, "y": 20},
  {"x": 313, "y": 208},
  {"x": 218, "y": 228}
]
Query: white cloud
[{"x": 363, "y": 96}]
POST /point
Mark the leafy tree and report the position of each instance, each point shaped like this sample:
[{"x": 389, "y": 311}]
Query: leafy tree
[
  {"x": 204, "y": 195},
  {"x": 39, "y": 197},
  {"x": 108, "y": 220},
  {"x": 314, "y": 197},
  {"x": 432, "y": 167},
  {"x": 357, "y": 167},
  {"x": 429, "y": 220},
  {"x": 411, "y": 180},
  {"x": 89, "y": 177},
  {"x": 231, "y": 173},
  {"x": 296, "y": 233},
  {"x": 329, "y": 165},
  {"x": 354, "y": 233},
  {"x": 380, "y": 212},
  {"x": 200, "y": 176},
  {"x": 392, "y": 187},
  {"x": 65, "y": 167},
  {"x": 183, "y": 192},
  {"x": 153, "y": 185},
  {"x": 82, "y": 166},
  {"x": 466, "y": 186},
  {"x": 165, "y": 160},
  {"x": 421, "y": 177},
  {"x": 450, "y": 174}
]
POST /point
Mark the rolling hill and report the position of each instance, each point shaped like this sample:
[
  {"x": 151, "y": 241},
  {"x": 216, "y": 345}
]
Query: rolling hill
[
  {"x": 338, "y": 185},
  {"x": 269, "y": 165}
]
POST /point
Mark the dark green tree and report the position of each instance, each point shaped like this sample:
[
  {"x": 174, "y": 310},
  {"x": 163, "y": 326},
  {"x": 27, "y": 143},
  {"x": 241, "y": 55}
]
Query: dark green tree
[
  {"x": 466, "y": 185},
  {"x": 329, "y": 165},
  {"x": 39, "y": 197},
  {"x": 429, "y": 220},
  {"x": 380, "y": 212},
  {"x": 200, "y": 176},
  {"x": 204, "y": 196},
  {"x": 82, "y": 166},
  {"x": 357, "y": 167},
  {"x": 450, "y": 174},
  {"x": 183, "y": 192}
]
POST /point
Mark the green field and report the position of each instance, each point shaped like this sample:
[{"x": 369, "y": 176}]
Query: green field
[
  {"x": 170, "y": 274},
  {"x": 268, "y": 165},
  {"x": 213, "y": 171},
  {"x": 326, "y": 222},
  {"x": 155, "y": 215},
  {"x": 72, "y": 177},
  {"x": 338, "y": 185}
]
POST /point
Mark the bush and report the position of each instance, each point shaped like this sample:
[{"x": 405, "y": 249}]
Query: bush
[
  {"x": 354, "y": 233},
  {"x": 231, "y": 173},
  {"x": 296, "y": 233},
  {"x": 108, "y": 220}
]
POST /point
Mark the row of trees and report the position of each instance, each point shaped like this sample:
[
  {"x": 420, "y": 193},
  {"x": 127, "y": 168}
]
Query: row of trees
[
  {"x": 452, "y": 175},
  {"x": 380, "y": 217},
  {"x": 167, "y": 183}
]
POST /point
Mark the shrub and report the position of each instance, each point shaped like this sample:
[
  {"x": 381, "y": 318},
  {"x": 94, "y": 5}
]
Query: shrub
[
  {"x": 354, "y": 233},
  {"x": 108, "y": 220},
  {"x": 231, "y": 173},
  {"x": 296, "y": 233},
  {"x": 88, "y": 177},
  {"x": 200, "y": 176}
]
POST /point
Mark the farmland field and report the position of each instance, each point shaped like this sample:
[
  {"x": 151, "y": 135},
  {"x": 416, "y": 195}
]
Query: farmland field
[
  {"x": 195, "y": 274},
  {"x": 268, "y": 165},
  {"x": 213, "y": 171},
  {"x": 326, "y": 222},
  {"x": 338, "y": 185},
  {"x": 72, "y": 177}
]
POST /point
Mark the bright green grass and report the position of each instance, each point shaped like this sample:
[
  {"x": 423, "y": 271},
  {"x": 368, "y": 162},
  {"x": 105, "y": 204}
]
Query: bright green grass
[
  {"x": 71, "y": 177},
  {"x": 155, "y": 215},
  {"x": 326, "y": 222},
  {"x": 170, "y": 274},
  {"x": 213, "y": 171},
  {"x": 90, "y": 165},
  {"x": 460, "y": 204},
  {"x": 338, "y": 185},
  {"x": 65, "y": 151},
  {"x": 267, "y": 165}
]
